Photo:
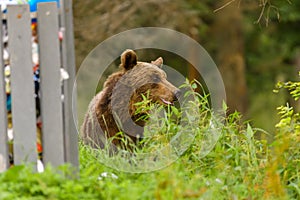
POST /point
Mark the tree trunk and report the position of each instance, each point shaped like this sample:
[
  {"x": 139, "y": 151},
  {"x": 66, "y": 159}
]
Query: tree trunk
[{"x": 227, "y": 32}]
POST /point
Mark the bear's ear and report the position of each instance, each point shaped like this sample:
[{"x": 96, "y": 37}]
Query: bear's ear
[
  {"x": 128, "y": 59},
  {"x": 158, "y": 62}
]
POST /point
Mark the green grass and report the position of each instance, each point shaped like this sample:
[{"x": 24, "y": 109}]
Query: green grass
[{"x": 238, "y": 167}]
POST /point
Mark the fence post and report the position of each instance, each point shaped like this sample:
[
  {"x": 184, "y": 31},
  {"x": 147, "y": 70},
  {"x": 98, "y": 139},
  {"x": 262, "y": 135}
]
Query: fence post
[
  {"x": 50, "y": 85},
  {"x": 4, "y": 161},
  {"x": 68, "y": 61},
  {"x": 22, "y": 86}
]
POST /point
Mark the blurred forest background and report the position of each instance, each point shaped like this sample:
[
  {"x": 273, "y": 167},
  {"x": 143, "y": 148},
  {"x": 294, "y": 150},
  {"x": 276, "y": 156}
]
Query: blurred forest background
[{"x": 255, "y": 43}]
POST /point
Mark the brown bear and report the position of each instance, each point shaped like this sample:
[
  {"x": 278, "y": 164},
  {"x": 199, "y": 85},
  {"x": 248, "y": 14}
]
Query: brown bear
[{"x": 113, "y": 110}]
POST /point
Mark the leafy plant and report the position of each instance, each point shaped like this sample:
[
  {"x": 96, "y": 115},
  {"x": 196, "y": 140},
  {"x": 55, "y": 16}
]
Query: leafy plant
[
  {"x": 284, "y": 165},
  {"x": 239, "y": 166},
  {"x": 20, "y": 182}
]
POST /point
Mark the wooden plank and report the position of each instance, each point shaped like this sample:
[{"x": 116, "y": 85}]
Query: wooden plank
[
  {"x": 50, "y": 86},
  {"x": 4, "y": 160},
  {"x": 22, "y": 86},
  {"x": 68, "y": 60}
]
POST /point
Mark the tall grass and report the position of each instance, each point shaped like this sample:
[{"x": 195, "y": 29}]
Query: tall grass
[{"x": 239, "y": 166}]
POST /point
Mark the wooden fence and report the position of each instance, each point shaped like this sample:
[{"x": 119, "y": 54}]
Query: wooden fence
[{"x": 59, "y": 134}]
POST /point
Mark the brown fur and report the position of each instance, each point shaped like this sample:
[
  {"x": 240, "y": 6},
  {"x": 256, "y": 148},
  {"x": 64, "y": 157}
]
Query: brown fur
[{"x": 113, "y": 109}]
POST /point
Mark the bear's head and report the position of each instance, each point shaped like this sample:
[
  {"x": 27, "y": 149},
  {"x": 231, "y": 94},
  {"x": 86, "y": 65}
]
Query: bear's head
[{"x": 139, "y": 79}]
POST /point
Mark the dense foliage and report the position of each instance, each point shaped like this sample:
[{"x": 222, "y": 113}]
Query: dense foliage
[{"x": 238, "y": 167}]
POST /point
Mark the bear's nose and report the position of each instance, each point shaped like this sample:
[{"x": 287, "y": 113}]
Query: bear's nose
[{"x": 177, "y": 94}]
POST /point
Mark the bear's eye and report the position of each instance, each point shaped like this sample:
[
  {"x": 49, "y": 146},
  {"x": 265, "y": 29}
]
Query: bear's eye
[{"x": 156, "y": 78}]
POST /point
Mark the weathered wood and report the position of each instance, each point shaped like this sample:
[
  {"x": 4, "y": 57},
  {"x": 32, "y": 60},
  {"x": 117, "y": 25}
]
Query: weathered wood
[
  {"x": 22, "y": 85},
  {"x": 68, "y": 60},
  {"x": 4, "y": 161},
  {"x": 50, "y": 86},
  {"x": 60, "y": 136}
]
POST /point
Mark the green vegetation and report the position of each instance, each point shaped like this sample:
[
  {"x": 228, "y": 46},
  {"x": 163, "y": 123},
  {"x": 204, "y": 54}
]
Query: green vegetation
[{"x": 240, "y": 166}]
